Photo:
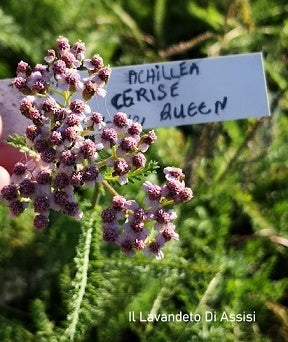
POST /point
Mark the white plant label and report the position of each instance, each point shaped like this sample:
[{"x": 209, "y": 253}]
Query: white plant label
[
  {"x": 176, "y": 93},
  {"x": 188, "y": 92}
]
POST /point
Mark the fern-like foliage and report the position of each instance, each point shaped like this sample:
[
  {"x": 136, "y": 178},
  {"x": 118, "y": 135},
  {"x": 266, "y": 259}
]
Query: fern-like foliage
[
  {"x": 79, "y": 284},
  {"x": 13, "y": 331},
  {"x": 45, "y": 328},
  {"x": 135, "y": 175},
  {"x": 150, "y": 168},
  {"x": 19, "y": 141}
]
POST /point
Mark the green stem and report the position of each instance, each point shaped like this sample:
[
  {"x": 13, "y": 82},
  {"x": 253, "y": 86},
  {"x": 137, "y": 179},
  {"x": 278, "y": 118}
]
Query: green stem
[
  {"x": 67, "y": 97},
  {"x": 60, "y": 93},
  {"x": 25, "y": 149},
  {"x": 104, "y": 161},
  {"x": 110, "y": 188},
  {"x": 40, "y": 95},
  {"x": 96, "y": 196},
  {"x": 82, "y": 264},
  {"x": 166, "y": 202},
  {"x": 60, "y": 104},
  {"x": 114, "y": 152}
]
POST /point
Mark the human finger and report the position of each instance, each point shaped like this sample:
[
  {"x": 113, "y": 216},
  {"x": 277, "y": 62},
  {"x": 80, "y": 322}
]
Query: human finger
[
  {"x": 4, "y": 177},
  {"x": 9, "y": 156}
]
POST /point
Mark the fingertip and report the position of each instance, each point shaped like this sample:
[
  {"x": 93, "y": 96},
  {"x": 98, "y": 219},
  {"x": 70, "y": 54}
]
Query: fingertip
[
  {"x": 9, "y": 156},
  {"x": 1, "y": 125},
  {"x": 4, "y": 177}
]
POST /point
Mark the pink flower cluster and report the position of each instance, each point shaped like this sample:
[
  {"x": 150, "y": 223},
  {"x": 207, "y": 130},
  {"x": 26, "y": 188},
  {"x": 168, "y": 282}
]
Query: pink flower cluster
[
  {"x": 73, "y": 147},
  {"x": 61, "y": 71},
  {"x": 127, "y": 224}
]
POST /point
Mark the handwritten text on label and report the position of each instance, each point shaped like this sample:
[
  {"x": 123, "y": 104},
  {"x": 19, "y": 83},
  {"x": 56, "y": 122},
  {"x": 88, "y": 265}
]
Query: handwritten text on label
[{"x": 188, "y": 92}]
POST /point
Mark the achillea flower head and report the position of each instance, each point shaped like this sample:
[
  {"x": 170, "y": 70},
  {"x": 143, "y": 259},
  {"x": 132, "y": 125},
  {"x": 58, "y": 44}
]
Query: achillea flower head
[
  {"x": 75, "y": 148},
  {"x": 95, "y": 121},
  {"x": 9, "y": 192},
  {"x": 32, "y": 132},
  {"x": 63, "y": 45},
  {"x": 135, "y": 129},
  {"x": 16, "y": 207},
  {"x": 135, "y": 232},
  {"x": 23, "y": 69},
  {"x": 121, "y": 167},
  {"x": 138, "y": 160},
  {"x": 19, "y": 168},
  {"x": 41, "y": 204},
  {"x": 40, "y": 221},
  {"x": 89, "y": 149},
  {"x": 43, "y": 177},
  {"x": 50, "y": 57},
  {"x": 128, "y": 144},
  {"x": 173, "y": 173},
  {"x": 119, "y": 203},
  {"x": 109, "y": 135},
  {"x": 78, "y": 50},
  {"x": 56, "y": 138},
  {"x": 76, "y": 178},
  {"x": 58, "y": 68},
  {"x": 95, "y": 63},
  {"x": 120, "y": 120},
  {"x": 108, "y": 215},
  {"x": 154, "y": 247},
  {"x": 61, "y": 180},
  {"x": 104, "y": 74},
  {"x": 27, "y": 187}
]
